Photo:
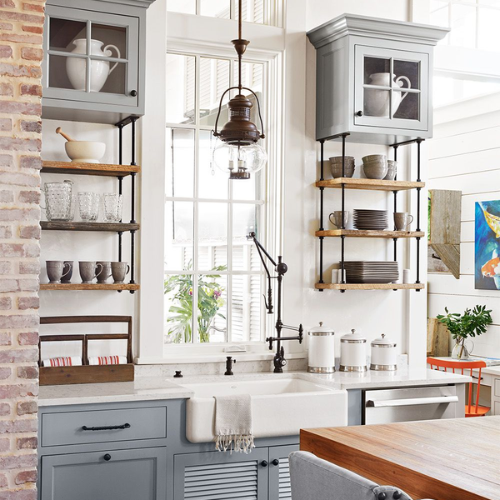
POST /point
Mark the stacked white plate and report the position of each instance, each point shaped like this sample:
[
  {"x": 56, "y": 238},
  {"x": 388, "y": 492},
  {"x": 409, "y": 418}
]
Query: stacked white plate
[
  {"x": 370, "y": 219},
  {"x": 371, "y": 271}
]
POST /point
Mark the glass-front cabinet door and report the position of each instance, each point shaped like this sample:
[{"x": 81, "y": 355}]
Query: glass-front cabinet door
[
  {"x": 391, "y": 88},
  {"x": 91, "y": 56}
]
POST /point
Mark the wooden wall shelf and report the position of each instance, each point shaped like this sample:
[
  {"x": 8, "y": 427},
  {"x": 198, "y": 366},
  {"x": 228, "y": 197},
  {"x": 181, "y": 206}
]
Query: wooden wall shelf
[
  {"x": 90, "y": 286},
  {"x": 369, "y": 286},
  {"x": 369, "y": 184},
  {"x": 103, "y": 169},
  {"x": 360, "y": 233},
  {"x": 115, "y": 227}
]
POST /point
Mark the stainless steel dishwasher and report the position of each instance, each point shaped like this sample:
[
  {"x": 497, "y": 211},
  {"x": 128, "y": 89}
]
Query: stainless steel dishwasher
[{"x": 383, "y": 406}]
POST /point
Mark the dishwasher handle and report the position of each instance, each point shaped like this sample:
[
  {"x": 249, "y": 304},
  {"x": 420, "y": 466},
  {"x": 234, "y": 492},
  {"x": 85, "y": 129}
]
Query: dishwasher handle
[{"x": 411, "y": 401}]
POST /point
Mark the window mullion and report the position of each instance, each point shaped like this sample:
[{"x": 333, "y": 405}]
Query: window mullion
[{"x": 194, "y": 319}]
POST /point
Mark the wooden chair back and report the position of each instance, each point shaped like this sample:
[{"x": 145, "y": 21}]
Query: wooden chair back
[{"x": 464, "y": 368}]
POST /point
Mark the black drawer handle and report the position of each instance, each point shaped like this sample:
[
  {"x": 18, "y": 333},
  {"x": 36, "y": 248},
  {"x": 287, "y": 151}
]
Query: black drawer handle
[
  {"x": 275, "y": 462},
  {"x": 106, "y": 428},
  {"x": 107, "y": 457}
]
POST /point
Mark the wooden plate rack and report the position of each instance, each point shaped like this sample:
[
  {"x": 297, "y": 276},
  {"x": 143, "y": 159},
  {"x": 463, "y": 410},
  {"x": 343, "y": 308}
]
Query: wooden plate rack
[{"x": 86, "y": 374}]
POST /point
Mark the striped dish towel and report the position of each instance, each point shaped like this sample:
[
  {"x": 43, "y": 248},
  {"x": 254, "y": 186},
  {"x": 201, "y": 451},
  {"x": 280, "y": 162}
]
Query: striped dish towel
[
  {"x": 108, "y": 360},
  {"x": 69, "y": 361}
]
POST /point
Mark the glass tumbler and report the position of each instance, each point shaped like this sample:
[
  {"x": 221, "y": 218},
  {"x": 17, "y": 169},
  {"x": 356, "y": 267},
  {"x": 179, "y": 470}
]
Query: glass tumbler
[
  {"x": 89, "y": 206},
  {"x": 58, "y": 196},
  {"x": 113, "y": 204}
]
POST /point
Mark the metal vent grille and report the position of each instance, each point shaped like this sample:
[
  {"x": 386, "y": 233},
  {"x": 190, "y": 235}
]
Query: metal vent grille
[
  {"x": 285, "y": 488},
  {"x": 222, "y": 481}
]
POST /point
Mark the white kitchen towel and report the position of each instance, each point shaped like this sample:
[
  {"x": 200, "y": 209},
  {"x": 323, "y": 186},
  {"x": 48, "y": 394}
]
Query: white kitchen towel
[
  {"x": 108, "y": 360},
  {"x": 233, "y": 423},
  {"x": 69, "y": 361}
]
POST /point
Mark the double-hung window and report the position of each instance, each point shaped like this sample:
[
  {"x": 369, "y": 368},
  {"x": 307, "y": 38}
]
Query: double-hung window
[{"x": 213, "y": 275}]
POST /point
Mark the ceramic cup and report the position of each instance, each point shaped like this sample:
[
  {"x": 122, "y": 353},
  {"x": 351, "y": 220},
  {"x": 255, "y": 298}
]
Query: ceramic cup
[
  {"x": 55, "y": 271},
  {"x": 89, "y": 271},
  {"x": 119, "y": 271},
  {"x": 105, "y": 273},
  {"x": 68, "y": 271},
  {"x": 406, "y": 276},
  {"x": 337, "y": 218},
  {"x": 402, "y": 220}
]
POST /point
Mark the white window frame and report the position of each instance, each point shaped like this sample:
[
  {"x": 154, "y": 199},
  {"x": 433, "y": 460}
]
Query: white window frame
[
  {"x": 272, "y": 105},
  {"x": 462, "y": 63},
  {"x": 272, "y": 15}
]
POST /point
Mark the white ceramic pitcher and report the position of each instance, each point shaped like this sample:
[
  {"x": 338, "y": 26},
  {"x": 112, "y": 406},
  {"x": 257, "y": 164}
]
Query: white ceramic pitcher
[
  {"x": 99, "y": 70},
  {"x": 376, "y": 102}
]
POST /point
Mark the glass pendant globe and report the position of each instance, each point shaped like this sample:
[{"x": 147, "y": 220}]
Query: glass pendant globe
[{"x": 234, "y": 159}]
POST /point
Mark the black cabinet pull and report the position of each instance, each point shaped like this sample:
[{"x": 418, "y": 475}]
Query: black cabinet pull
[
  {"x": 133, "y": 93},
  {"x": 107, "y": 457},
  {"x": 359, "y": 113},
  {"x": 264, "y": 463},
  {"x": 275, "y": 462},
  {"x": 106, "y": 428}
]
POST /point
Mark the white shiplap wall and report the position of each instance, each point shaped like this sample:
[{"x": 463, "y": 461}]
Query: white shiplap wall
[{"x": 465, "y": 155}]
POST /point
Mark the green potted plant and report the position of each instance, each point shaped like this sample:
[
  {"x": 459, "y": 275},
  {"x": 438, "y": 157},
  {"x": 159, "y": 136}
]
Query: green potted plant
[
  {"x": 471, "y": 323},
  {"x": 180, "y": 290}
]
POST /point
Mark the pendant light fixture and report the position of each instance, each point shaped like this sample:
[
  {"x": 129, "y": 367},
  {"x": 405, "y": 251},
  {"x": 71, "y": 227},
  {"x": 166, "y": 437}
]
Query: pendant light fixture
[{"x": 237, "y": 151}]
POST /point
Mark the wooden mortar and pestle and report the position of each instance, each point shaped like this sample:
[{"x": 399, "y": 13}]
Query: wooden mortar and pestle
[{"x": 82, "y": 151}]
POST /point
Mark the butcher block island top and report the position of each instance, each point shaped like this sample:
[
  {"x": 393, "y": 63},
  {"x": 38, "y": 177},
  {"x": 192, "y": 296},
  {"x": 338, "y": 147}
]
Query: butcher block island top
[{"x": 450, "y": 459}]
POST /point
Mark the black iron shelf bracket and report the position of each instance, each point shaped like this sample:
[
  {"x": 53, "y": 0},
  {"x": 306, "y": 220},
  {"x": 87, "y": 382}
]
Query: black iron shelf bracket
[
  {"x": 321, "y": 210},
  {"x": 130, "y": 120}
]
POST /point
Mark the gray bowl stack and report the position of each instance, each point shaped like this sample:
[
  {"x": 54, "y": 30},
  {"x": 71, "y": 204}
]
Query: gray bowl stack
[
  {"x": 375, "y": 166},
  {"x": 336, "y": 166}
]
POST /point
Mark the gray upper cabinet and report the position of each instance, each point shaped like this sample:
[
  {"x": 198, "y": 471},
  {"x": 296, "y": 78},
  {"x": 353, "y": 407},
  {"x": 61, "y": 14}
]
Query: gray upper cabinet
[
  {"x": 94, "y": 60},
  {"x": 373, "y": 79}
]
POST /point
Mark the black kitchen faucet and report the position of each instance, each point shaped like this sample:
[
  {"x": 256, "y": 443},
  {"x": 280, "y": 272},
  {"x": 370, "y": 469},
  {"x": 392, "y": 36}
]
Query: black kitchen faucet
[{"x": 281, "y": 268}]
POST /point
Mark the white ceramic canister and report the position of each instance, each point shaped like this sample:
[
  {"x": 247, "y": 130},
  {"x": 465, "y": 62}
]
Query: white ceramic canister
[
  {"x": 321, "y": 350},
  {"x": 384, "y": 356},
  {"x": 353, "y": 353}
]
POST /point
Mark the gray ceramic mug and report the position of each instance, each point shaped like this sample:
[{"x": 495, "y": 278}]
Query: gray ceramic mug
[
  {"x": 402, "y": 220},
  {"x": 119, "y": 271},
  {"x": 337, "y": 218},
  {"x": 56, "y": 270},
  {"x": 88, "y": 271},
  {"x": 105, "y": 273},
  {"x": 68, "y": 271}
]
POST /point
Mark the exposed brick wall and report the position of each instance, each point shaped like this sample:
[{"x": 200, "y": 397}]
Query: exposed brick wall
[{"x": 21, "y": 29}]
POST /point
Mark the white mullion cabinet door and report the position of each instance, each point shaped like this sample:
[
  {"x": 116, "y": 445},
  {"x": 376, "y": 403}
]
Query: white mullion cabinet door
[
  {"x": 379, "y": 103},
  {"x": 221, "y": 476}
]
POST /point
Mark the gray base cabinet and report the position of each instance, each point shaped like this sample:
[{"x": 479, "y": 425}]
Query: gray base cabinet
[
  {"x": 139, "y": 451},
  {"x": 117, "y": 475}
]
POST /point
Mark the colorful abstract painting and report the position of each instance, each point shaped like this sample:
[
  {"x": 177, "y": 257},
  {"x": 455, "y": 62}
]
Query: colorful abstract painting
[{"x": 487, "y": 249}]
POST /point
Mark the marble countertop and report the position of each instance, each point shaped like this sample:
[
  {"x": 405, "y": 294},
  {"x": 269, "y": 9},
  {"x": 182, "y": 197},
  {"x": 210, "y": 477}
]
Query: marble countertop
[{"x": 148, "y": 388}]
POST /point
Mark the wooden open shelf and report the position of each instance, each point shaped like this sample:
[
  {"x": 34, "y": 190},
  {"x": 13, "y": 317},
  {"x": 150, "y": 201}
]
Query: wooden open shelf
[
  {"x": 90, "y": 286},
  {"x": 103, "y": 169},
  {"x": 368, "y": 286},
  {"x": 89, "y": 226},
  {"x": 369, "y": 184},
  {"x": 361, "y": 233}
]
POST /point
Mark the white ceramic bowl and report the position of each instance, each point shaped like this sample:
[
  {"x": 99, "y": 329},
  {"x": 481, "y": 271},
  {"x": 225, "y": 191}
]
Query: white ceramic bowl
[{"x": 85, "y": 151}]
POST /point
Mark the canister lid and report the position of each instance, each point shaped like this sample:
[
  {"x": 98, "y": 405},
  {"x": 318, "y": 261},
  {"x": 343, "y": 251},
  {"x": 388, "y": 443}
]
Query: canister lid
[
  {"x": 353, "y": 337},
  {"x": 383, "y": 342},
  {"x": 321, "y": 330}
]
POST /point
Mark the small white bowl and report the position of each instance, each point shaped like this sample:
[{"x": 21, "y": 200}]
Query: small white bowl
[{"x": 85, "y": 151}]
